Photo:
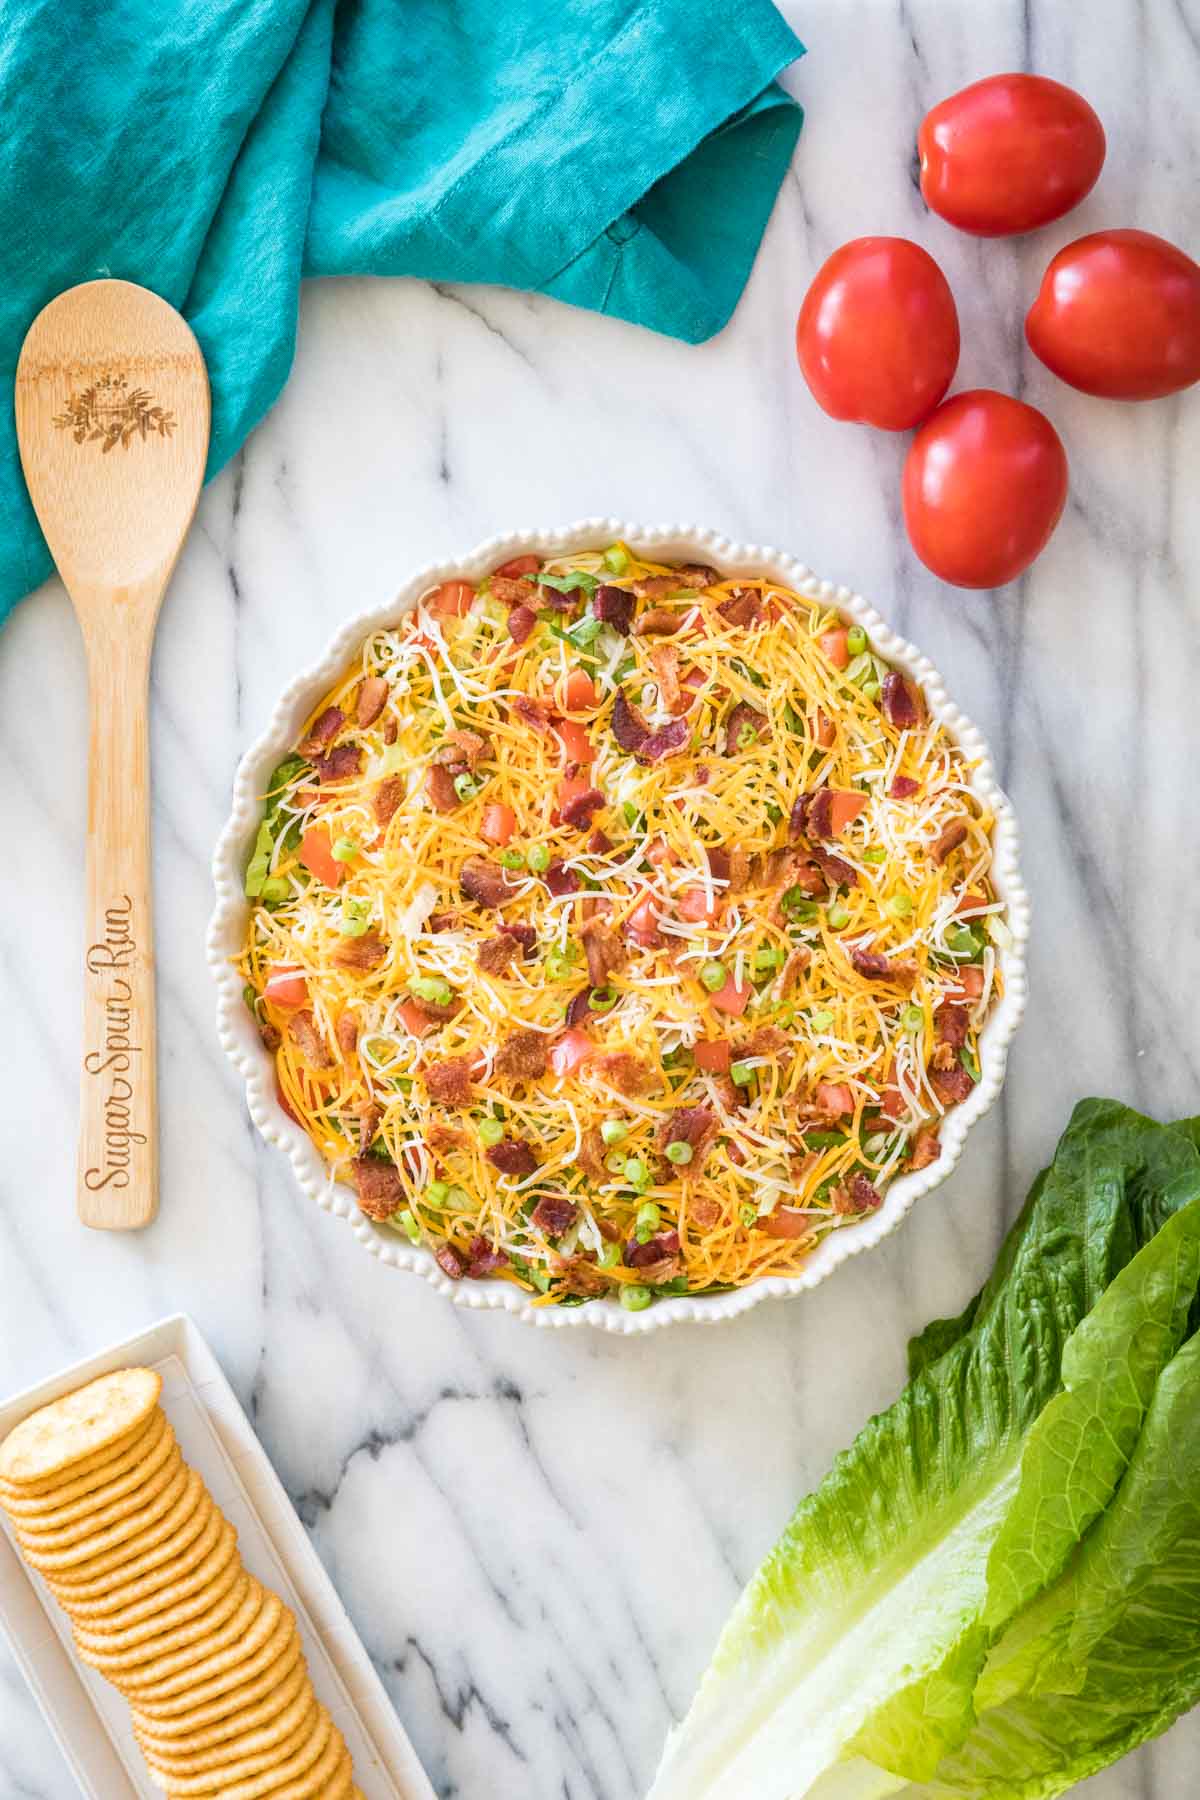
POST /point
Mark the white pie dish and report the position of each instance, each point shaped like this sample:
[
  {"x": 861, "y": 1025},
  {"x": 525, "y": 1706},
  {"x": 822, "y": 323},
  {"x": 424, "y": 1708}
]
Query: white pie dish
[{"x": 242, "y": 1043}]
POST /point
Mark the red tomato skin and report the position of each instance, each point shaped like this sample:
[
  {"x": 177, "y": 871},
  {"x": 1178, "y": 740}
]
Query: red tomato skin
[
  {"x": 877, "y": 335},
  {"x": 985, "y": 483},
  {"x": 1009, "y": 154},
  {"x": 1118, "y": 315}
]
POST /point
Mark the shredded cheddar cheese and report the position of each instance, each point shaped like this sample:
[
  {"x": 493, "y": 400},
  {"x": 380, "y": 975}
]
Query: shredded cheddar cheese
[{"x": 620, "y": 929}]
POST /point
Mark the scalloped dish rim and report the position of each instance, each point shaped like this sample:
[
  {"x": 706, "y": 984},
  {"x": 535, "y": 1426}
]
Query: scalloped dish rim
[{"x": 246, "y": 1051}]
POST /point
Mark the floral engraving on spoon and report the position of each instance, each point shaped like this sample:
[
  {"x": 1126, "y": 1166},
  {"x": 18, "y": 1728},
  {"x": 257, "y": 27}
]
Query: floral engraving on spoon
[{"x": 111, "y": 413}]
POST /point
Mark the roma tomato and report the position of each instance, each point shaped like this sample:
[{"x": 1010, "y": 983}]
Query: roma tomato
[
  {"x": 985, "y": 483},
  {"x": 877, "y": 335},
  {"x": 1118, "y": 314},
  {"x": 1009, "y": 154}
]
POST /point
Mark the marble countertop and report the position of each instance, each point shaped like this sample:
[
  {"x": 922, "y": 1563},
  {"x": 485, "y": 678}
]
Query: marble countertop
[{"x": 538, "y": 1535}]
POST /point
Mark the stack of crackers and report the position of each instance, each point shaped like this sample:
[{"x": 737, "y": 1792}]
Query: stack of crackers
[{"x": 131, "y": 1544}]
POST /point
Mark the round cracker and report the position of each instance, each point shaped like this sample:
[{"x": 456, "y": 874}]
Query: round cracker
[
  {"x": 158, "y": 1615},
  {"x": 288, "y": 1700},
  {"x": 197, "y": 1562},
  {"x": 93, "y": 1419},
  {"x": 81, "y": 1477},
  {"x": 174, "y": 1531},
  {"x": 251, "y": 1626},
  {"x": 303, "y": 1762},
  {"x": 54, "y": 1532},
  {"x": 217, "y": 1689},
  {"x": 81, "y": 1564},
  {"x": 78, "y": 1543},
  {"x": 108, "y": 1481},
  {"x": 221, "y": 1710},
  {"x": 237, "y": 1760},
  {"x": 112, "y": 1658},
  {"x": 330, "y": 1778}
]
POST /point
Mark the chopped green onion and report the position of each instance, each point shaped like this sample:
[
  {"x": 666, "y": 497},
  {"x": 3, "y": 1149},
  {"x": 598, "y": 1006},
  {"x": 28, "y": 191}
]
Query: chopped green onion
[
  {"x": 558, "y": 965},
  {"x": 648, "y": 1220},
  {"x": 856, "y": 640},
  {"x": 749, "y": 1214},
  {"x": 837, "y": 916},
  {"x": 603, "y": 999},
  {"x": 742, "y": 1074},
  {"x": 680, "y": 1153},
  {"x": 356, "y": 916},
  {"x": 345, "y": 850},
  {"x": 538, "y": 858},
  {"x": 912, "y": 1018},
  {"x": 875, "y": 854},
  {"x": 678, "y": 1284},
  {"x": 714, "y": 975},
  {"x": 614, "y": 1131},
  {"x": 964, "y": 941},
  {"x": 408, "y": 1225},
  {"x": 615, "y": 1162},
  {"x": 437, "y": 1193},
  {"x": 870, "y": 690},
  {"x": 746, "y": 735},
  {"x": 634, "y": 1297},
  {"x": 636, "y": 1172},
  {"x": 513, "y": 859},
  {"x": 860, "y": 670},
  {"x": 490, "y": 1131},
  {"x": 250, "y": 996},
  {"x": 821, "y": 1019},
  {"x": 798, "y": 906},
  {"x": 900, "y": 905},
  {"x": 275, "y": 890},
  {"x": 431, "y": 988},
  {"x": 458, "y": 1197},
  {"x": 466, "y": 786},
  {"x": 610, "y": 1256},
  {"x": 616, "y": 559},
  {"x": 772, "y": 957}
]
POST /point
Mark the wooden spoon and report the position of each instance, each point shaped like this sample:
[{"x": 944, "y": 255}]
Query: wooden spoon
[{"x": 112, "y": 419}]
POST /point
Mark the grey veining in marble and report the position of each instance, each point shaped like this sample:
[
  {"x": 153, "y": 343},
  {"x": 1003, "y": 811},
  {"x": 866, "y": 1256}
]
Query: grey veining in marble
[{"x": 539, "y": 1535}]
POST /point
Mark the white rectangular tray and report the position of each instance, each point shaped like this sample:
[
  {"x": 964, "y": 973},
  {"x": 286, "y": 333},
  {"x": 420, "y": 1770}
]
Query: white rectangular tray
[{"x": 88, "y": 1718}]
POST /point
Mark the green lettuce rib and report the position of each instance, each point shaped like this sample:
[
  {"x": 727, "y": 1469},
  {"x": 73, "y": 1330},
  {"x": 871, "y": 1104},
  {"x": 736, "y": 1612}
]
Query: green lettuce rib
[{"x": 848, "y": 1669}]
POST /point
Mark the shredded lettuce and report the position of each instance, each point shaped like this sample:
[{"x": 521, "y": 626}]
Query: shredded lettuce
[
  {"x": 996, "y": 1590},
  {"x": 258, "y": 869}
]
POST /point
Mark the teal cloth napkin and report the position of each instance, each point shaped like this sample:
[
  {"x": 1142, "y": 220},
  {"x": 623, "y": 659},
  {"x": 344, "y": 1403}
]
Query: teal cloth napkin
[{"x": 622, "y": 155}]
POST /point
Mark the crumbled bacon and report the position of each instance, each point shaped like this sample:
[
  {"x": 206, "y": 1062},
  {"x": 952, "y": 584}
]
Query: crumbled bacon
[
  {"x": 481, "y": 881},
  {"x": 926, "y": 1148},
  {"x": 798, "y": 960},
  {"x": 951, "y": 1085},
  {"x": 835, "y": 869},
  {"x": 717, "y": 858},
  {"x": 462, "y": 750},
  {"x": 449, "y": 1082},
  {"x": 531, "y": 713},
  {"x": 798, "y": 818},
  {"x": 954, "y": 834},
  {"x": 743, "y": 719},
  {"x": 604, "y": 950},
  {"x": 668, "y": 740},
  {"x": 579, "y": 1008},
  {"x": 875, "y": 967},
  {"x": 359, "y": 954},
  {"x": 628, "y": 726},
  {"x": 441, "y": 1139},
  {"x": 484, "y": 1258},
  {"x": 742, "y": 608},
  {"x": 522, "y": 1056},
  {"x": 951, "y": 1023},
  {"x": 441, "y": 921},
  {"x": 370, "y": 1117},
  {"x": 391, "y": 730},
  {"x": 303, "y": 1032},
  {"x": 899, "y": 703},
  {"x": 664, "y": 660},
  {"x": 579, "y": 1275},
  {"x": 626, "y": 1073},
  {"x": 599, "y": 843},
  {"x": 449, "y": 1261},
  {"x": 521, "y": 621},
  {"x": 818, "y": 817},
  {"x": 695, "y": 576},
  {"x": 854, "y": 1196},
  {"x": 497, "y": 954},
  {"x": 388, "y": 798},
  {"x": 370, "y": 701},
  {"x": 561, "y": 880},
  {"x": 591, "y": 1154},
  {"x": 767, "y": 1040},
  {"x": 706, "y": 1212},
  {"x": 658, "y": 621},
  {"x": 613, "y": 606},
  {"x": 339, "y": 765},
  {"x": 513, "y": 590},
  {"x": 554, "y": 1214},
  {"x": 439, "y": 785},
  {"x": 325, "y": 728},
  {"x": 903, "y": 787},
  {"x": 272, "y": 1037},
  {"x": 582, "y": 809},
  {"x": 512, "y": 1157},
  {"x": 693, "y": 1125},
  {"x": 378, "y": 1186}
]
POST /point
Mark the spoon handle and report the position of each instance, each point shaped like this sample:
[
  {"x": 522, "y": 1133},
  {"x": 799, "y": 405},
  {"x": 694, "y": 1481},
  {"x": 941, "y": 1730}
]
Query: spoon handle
[{"x": 117, "y": 1185}]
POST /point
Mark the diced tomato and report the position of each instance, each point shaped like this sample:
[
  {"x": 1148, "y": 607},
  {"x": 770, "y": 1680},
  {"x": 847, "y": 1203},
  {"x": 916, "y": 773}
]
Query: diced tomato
[
  {"x": 823, "y": 732},
  {"x": 520, "y": 565},
  {"x": 452, "y": 600},
  {"x": 499, "y": 822},
  {"x": 844, "y": 808},
  {"x": 835, "y": 1097},
  {"x": 969, "y": 901},
  {"x": 283, "y": 1101},
  {"x": 577, "y": 692},
  {"x": 413, "y": 1017},
  {"x": 286, "y": 985},
  {"x": 892, "y": 1104},
  {"x": 784, "y": 1224},
  {"x": 643, "y": 920},
  {"x": 833, "y": 643},
  {"x": 569, "y": 1050},
  {"x": 659, "y": 853},
  {"x": 970, "y": 983},
  {"x": 316, "y": 853},
  {"x": 714, "y": 1055},
  {"x": 732, "y": 998},
  {"x": 576, "y": 744},
  {"x": 694, "y": 904}
]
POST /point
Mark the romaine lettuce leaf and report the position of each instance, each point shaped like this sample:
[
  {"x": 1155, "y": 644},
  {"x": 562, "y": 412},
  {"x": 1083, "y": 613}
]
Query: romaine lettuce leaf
[{"x": 848, "y": 1669}]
